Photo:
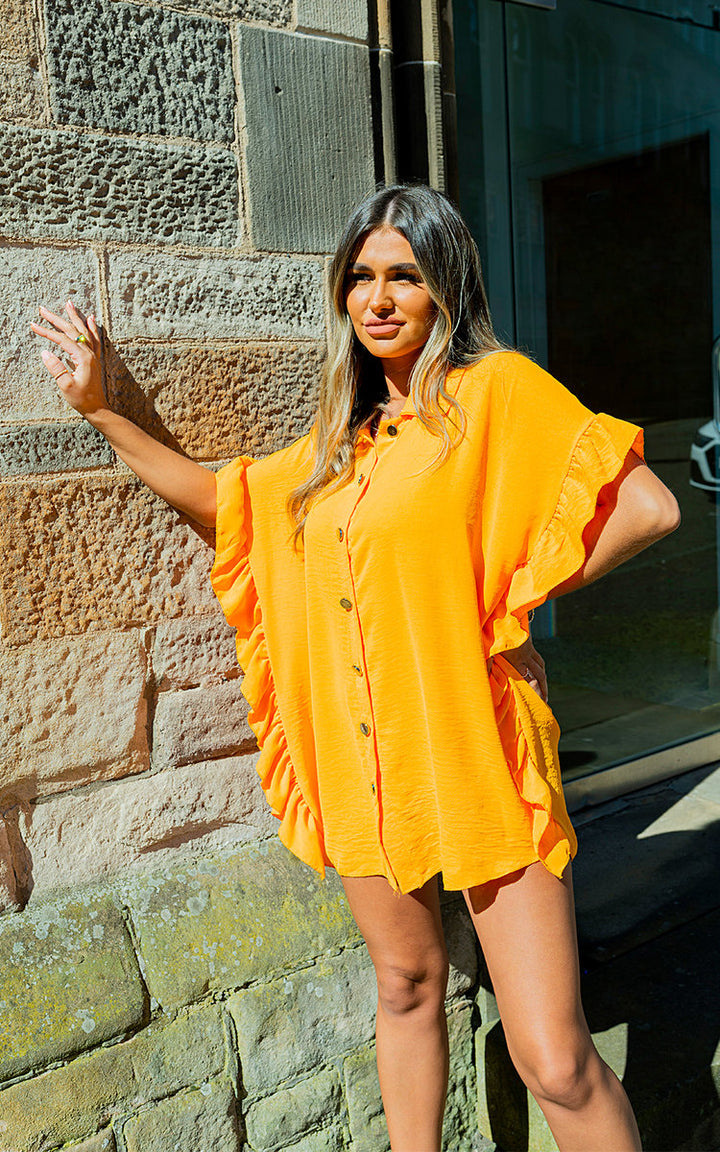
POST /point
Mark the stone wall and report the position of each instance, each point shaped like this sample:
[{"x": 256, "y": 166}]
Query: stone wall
[{"x": 172, "y": 979}]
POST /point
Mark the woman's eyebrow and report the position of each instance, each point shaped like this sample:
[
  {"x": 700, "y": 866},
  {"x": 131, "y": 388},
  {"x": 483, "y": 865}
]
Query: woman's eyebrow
[{"x": 392, "y": 268}]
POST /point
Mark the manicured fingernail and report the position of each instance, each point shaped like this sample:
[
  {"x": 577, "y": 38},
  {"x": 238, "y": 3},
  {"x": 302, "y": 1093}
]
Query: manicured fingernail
[{"x": 45, "y": 355}]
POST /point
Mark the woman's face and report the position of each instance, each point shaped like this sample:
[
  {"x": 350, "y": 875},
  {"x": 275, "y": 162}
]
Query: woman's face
[{"x": 386, "y": 298}]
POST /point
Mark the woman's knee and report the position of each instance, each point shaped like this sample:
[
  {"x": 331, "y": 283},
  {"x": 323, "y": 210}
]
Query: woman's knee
[
  {"x": 563, "y": 1075},
  {"x": 409, "y": 987}
]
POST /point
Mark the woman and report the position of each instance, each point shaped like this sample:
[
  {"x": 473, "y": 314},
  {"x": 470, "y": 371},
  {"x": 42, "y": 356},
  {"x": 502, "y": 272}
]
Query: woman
[{"x": 380, "y": 572}]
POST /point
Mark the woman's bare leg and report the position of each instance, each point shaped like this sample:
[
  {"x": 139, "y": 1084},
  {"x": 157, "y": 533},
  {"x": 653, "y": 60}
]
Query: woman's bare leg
[
  {"x": 405, "y": 941},
  {"x": 526, "y": 926}
]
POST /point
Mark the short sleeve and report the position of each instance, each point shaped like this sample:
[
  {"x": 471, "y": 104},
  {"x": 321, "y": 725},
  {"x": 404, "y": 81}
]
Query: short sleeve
[{"x": 549, "y": 459}]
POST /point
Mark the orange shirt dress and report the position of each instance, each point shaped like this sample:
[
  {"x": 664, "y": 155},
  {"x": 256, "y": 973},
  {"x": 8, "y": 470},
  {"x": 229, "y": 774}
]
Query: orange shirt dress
[{"x": 387, "y": 747}]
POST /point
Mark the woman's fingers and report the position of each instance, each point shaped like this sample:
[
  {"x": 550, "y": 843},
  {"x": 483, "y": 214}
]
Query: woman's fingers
[
  {"x": 70, "y": 347},
  {"x": 60, "y": 373}
]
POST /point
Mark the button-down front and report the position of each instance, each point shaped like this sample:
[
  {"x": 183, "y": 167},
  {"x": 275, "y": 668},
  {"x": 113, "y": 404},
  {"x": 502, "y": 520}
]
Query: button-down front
[{"x": 387, "y": 748}]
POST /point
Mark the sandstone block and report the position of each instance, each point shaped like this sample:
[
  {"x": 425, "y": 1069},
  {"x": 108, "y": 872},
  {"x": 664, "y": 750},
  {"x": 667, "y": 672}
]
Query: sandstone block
[
  {"x": 362, "y": 1088},
  {"x": 274, "y": 1122},
  {"x": 308, "y": 121},
  {"x": 462, "y": 947},
  {"x": 65, "y": 185},
  {"x": 9, "y": 896},
  {"x": 138, "y": 69},
  {"x": 192, "y": 653},
  {"x": 85, "y": 987},
  {"x": 65, "y": 1103},
  {"x": 70, "y": 712},
  {"x": 202, "y": 1119},
  {"x": 347, "y": 19},
  {"x": 305, "y": 1019},
  {"x": 21, "y": 92},
  {"x": 96, "y": 553},
  {"x": 216, "y": 403},
  {"x": 102, "y": 1142},
  {"x": 143, "y": 821},
  {"x": 459, "y": 1124},
  {"x": 234, "y": 917},
  {"x": 199, "y": 296},
  {"x": 326, "y": 1140},
  {"x": 52, "y": 448},
  {"x": 29, "y": 277},
  {"x": 276, "y": 12},
  {"x": 199, "y": 723}
]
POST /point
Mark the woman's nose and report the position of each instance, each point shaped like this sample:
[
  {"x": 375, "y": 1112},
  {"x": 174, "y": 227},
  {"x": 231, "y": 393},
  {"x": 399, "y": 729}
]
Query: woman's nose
[{"x": 380, "y": 298}]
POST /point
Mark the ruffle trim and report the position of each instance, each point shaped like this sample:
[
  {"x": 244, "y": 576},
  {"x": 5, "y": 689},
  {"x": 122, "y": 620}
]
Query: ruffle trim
[
  {"x": 234, "y": 585},
  {"x": 529, "y": 733},
  {"x": 597, "y": 460}
]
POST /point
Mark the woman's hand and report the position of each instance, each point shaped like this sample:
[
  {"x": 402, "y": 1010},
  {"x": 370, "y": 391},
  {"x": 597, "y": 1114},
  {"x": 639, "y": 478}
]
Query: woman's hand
[
  {"x": 530, "y": 665},
  {"x": 80, "y": 340}
]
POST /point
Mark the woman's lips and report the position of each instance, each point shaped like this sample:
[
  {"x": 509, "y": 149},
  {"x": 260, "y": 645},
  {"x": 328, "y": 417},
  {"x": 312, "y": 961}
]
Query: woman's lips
[{"x": 383, "y": 327}]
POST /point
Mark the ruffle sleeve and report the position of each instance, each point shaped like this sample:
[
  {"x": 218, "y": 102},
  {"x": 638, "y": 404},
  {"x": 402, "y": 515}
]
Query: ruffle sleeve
[
  {"x": 555, "y": 460},
  {"x": 233, "y": 583}
]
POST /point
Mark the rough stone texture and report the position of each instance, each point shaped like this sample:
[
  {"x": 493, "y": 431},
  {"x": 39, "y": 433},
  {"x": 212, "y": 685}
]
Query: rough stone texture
[
  {"x": 461, "y": 945},
  {"x": 67, "y": 1102},
  {"x": 326, "y": 1140},
  {"x": 273, "y": 1123},
  {"x": 71, "y": 712},
  {"x": 29, "y": 277},
  {"x": 85, "y": 987},
  {"x": 21, "y": 89},
  {"x": 138, "y": 69},
  {"x": 9, "y": 895},
  {"x": 66, "y": 185},
  {"x": 200, "y": 296},
  {"x": 231, "y": 918},
  {"x": 199, "y": 723},
  {"x": 215, "y": 403},
  {"x": 458, "y": 1135},
  {"x": 96, "y": 834},
  {"x": 96, "y": 553},
  {"x": 362, "y": 1089},
  {"x": 52, "y": 448},
  {"x": 202, "y": 1119},
  {"x": 101, "y": 1142},
  {"x": 277, "y": 12},
  {"x": 193, "y": 653},
  {"x": 308, "y": 122},
  {"x": 347, "y": 19},
  {"x": 305, "y": 1019}
]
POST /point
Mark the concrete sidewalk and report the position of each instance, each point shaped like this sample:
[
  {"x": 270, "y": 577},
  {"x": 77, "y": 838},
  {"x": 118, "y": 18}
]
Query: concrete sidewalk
[{"x": 647, "y": 885}]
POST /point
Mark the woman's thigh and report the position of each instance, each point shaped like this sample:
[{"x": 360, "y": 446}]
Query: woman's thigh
[
  {"x": 403, "y": 933},
  {"x": 526, "y": 925}
]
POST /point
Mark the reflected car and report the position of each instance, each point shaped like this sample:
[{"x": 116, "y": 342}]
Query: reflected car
[{"x": 705, "y": 458}]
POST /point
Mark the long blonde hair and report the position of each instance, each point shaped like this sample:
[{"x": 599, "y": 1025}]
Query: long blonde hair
[{"x": 353, "y": 386}]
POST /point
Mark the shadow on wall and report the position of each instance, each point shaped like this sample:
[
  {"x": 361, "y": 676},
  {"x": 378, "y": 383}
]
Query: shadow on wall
[{"x": 648, "y": 909}]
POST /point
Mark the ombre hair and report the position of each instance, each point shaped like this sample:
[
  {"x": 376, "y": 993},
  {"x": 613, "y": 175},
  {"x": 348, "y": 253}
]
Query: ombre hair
[{"x": 353, "y": 385}]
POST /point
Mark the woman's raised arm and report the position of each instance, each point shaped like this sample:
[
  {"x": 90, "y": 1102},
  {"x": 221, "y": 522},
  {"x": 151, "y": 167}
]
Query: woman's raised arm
[{"x": 185, "y": 485}]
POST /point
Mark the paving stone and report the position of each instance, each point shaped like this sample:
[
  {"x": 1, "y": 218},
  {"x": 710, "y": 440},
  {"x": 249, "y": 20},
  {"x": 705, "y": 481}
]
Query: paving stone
[
  {"x": 138, "y": 69},
  {"x": 200, "y": 722},
  {"x": 305, "y": 1019},
  {"x": 65, "y": 1103},
  {"x": 274, "y": 1122},
  {"x": 143, "y": 821},
  {"x": 202, "y": 1119},
  {"x": 362, "y": 1088},
  {"x": 21, "y": 91},
  {"x": 201, "y": 296},
  {"x": 71, "y": 712},
  {"x": 230, "y": 918},
  {"x": 29, "y": 277},
  {"x": 29, "y": 448},
  {"x": 215, "y": 403},
  {"x": 347, "y": 19},
  {"x": 85, "y": 987},
  {"x": 73, "y": 563},
  {"x": 61, "y": 185},
  {"x": 308, "y": 120},
  {"x": 190, "y": 653}
]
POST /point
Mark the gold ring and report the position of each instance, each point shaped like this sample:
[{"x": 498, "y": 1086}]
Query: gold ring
[{"x": 81, "y": 339}]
